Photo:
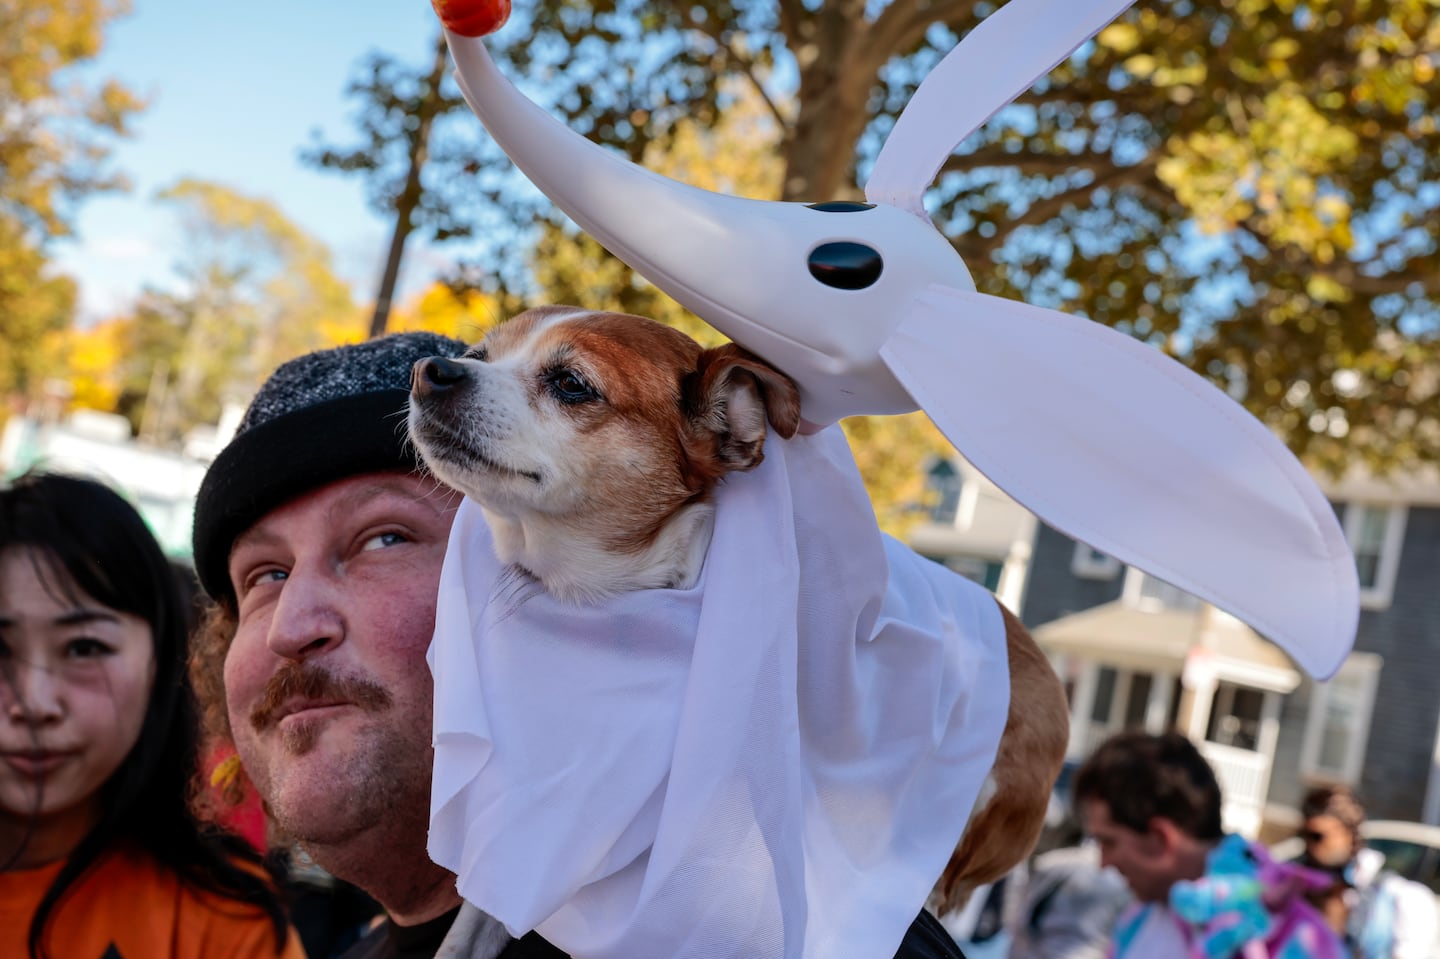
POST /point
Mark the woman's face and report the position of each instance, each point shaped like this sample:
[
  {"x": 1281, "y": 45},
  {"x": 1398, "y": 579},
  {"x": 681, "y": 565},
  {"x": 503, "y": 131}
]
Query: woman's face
[
  {"x": 75, "y": 679},
  {"x": 1328, "y": 841}
]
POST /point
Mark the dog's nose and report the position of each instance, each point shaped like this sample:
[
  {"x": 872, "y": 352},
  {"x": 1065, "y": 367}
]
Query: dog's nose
[{"x": 434, "y": 374}]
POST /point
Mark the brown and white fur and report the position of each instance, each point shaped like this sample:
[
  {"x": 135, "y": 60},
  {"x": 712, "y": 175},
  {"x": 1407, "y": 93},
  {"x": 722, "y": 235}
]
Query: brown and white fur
[{"x": 593, "y": 442}]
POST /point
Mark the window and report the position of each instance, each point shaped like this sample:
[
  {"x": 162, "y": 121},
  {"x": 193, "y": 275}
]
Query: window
[
  {"x": 1100, "y": 707},
  {"x": 1339, "y": 721},
  {"x": 1235, "y": 715},
  {"x": 1144, "y": 591},
  {"x": 942, "y": 487},
  {"x": 1375, "y": 533},
  {"x": 1090, "y": 563}
]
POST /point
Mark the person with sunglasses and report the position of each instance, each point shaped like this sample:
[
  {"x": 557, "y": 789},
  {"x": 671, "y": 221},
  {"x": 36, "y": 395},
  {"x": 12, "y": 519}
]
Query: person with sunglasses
[{"x": 1380, "y": 914}]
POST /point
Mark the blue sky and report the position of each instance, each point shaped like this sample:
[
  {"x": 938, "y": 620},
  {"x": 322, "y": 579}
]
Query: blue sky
[{"x": 234, "y": 92}]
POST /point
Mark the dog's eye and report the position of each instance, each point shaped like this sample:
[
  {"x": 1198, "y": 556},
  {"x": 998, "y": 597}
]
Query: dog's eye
[
  {"x": 476, "y": 353},
  {"x": 570, "y": 387}
]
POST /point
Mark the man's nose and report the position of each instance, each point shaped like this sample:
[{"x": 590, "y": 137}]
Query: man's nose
[
  {"x": 34, "y": 694},
  {"x": 307, "y": 617}
]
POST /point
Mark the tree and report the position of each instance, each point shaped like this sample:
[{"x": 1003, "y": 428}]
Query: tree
[
  {"x": 54, "y": 142},
  {"x": 402, "y": 157},
  {"x": 462, "y": 312},
  {"x": 1250, "y": 185},
  {"x": 257, "y": 291}
]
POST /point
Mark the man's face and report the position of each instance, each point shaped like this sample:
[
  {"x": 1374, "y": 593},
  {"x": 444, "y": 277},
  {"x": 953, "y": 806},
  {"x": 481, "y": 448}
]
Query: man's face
[
  {"x": 328, "y": 691},
  {"x": 1146, "y": 860}
]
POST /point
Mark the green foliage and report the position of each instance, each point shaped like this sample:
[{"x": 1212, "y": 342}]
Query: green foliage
[{"x": 1251, "y": 185}]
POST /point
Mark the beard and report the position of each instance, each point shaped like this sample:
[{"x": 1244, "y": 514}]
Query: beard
[{"x": 326, "y": 783}]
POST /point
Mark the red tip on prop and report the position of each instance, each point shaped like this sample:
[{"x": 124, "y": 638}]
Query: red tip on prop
[{"x": 472, "y": 18}]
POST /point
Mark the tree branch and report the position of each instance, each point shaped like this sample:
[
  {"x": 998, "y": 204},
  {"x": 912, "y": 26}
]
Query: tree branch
[
  {"x": 1049, "y": 164},
  {"x": 902, "y": 26},
  {"x": 1351, "y": 278},
  {"x": 746, "y": 66},
  {"x": 792, "y": 15}
]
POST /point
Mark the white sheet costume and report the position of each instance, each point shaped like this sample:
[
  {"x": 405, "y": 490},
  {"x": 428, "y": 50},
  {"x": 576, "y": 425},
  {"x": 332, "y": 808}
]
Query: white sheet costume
[{"x": 776, "y": 768}]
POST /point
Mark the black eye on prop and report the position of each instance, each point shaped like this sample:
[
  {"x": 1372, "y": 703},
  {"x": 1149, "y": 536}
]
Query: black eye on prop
[
  {"x": 570, "y": 387},
  {"x": 841, "y": 206},
  {"x": 845, "y": 265}
]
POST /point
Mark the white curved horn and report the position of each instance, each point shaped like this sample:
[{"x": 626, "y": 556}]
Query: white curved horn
[
  {"x": 996, "y": 62},
  {"x": 747, "y": 267}
]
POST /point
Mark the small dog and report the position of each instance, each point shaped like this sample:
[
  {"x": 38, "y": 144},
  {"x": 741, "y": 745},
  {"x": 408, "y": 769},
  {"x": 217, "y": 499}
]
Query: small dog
[{"x": 592, "y": 443}]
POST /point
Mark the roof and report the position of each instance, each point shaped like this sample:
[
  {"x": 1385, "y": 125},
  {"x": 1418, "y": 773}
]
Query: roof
[{"x": 1160, "y": 640}]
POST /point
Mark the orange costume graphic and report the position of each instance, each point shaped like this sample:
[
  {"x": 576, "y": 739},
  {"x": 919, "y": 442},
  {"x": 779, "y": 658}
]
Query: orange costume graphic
[{"x": 127, "y": 906}]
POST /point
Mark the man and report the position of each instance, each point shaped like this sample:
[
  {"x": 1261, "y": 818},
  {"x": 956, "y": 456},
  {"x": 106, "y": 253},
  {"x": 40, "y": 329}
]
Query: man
[
  {"x": 1152, "y": 804},
  {"x": 321, "y": 545},
  {"x": 1380, "y": 914}
]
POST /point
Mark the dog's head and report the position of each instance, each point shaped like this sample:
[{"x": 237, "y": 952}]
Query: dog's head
[{"x": 606, "y": 421}]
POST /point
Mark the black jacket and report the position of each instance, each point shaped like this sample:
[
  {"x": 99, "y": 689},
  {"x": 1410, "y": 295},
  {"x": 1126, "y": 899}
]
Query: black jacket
[{"x": 925, "y": 939}]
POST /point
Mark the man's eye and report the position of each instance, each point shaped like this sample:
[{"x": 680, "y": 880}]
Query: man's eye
[
  {"x": 87, "y": 647},
  {"x": 262, "y": 576},
  {"x": 382, "y": 540}
]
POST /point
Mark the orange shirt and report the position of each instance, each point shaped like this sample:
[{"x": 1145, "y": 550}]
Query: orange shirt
[{"x": 127, "y": 906}]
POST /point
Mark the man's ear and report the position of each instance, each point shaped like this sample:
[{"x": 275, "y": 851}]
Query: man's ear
[
  {"x": 734, "y": 394},
  {"x": 1167, "y": 836}
]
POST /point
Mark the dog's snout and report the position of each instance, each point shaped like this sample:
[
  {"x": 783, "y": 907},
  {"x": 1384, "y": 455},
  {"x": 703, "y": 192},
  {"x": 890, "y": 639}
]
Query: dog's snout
[{"x": 435, "y": 374}]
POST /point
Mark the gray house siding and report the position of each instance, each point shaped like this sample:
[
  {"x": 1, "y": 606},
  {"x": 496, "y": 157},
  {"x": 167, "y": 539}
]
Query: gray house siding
[
  {"x": 1053, "y": 590},
  {"x": 1407, "y": 702},
  {"x": 1406, "y": 635},
  {"x": 1286, "y": 786}
]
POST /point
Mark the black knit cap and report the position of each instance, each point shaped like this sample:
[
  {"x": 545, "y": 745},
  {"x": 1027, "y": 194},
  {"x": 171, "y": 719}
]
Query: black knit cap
[{"x": 319, "y": 418}]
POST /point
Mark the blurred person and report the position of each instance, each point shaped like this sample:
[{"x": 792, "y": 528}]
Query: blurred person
[
  {"x": 1069, "y": 904},
  {"x": 100, "y": 853},
  {"x": 321, "y": 544},
  {"x": 1380, "y": 914},
  {"x": 1152, "y": 805}
]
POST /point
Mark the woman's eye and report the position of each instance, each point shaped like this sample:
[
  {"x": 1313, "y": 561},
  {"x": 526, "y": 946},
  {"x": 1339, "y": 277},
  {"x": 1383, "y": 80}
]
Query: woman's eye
[
  {"x": 382, "y": 540},
  {"x": 87, "y": 647}
]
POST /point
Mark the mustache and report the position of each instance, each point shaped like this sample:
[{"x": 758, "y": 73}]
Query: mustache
[{"x": 307, "y": 682}]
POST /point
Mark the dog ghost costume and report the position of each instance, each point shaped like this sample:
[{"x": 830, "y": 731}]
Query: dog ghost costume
[{"x": 778, "y": 763}]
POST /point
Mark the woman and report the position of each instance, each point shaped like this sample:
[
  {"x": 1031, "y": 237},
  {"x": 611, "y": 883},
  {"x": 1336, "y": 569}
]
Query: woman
[
  {"x": 1380, "y": 914},
  {"x": 100, "y": 854}
]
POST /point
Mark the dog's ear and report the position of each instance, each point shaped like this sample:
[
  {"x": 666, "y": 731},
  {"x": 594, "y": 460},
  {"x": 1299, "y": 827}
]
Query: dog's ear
[{"x": 734, "y": 393}]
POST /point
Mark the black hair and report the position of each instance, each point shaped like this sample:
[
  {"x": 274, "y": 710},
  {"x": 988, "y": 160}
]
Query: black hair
[
  {"x": 86, "y": 531},
  {"x": 1139, "y": 776}
]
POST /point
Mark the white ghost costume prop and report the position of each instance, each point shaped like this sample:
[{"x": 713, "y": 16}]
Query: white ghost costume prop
[
  {"x": 777, "y": 762},
  {"x": 871, "y": 311}
]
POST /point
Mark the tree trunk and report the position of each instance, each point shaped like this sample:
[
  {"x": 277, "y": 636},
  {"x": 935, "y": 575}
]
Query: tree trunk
[
  {"x": 411, "y": 193},
  {"x": 820, "y": 150}
]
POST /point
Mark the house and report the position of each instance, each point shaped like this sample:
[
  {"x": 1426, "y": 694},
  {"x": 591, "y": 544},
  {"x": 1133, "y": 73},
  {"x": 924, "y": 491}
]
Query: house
[{"x": 1134, "y": 651}]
